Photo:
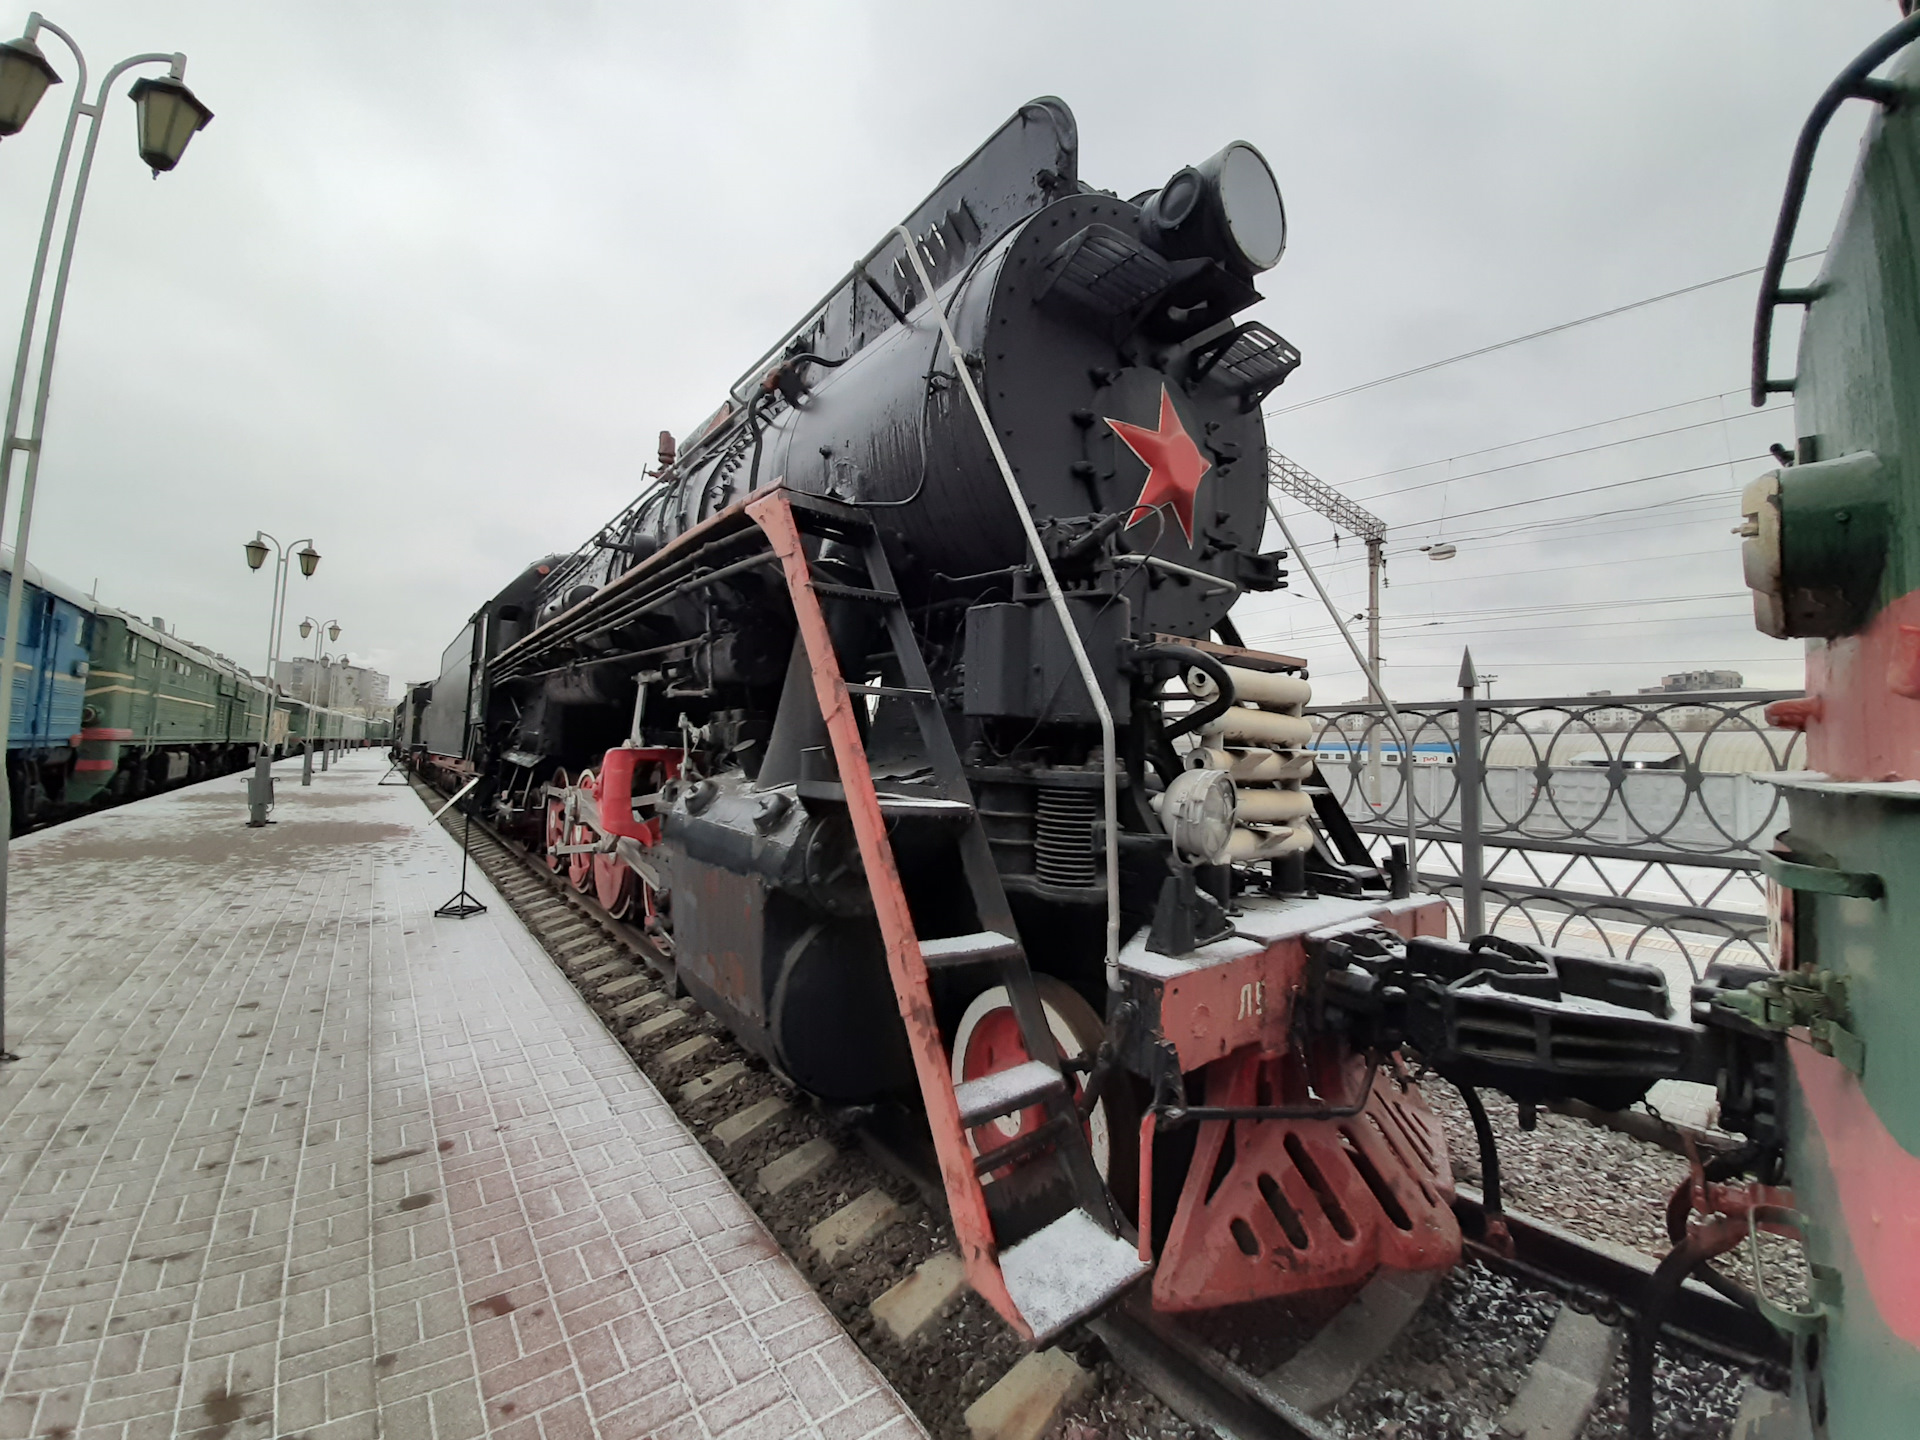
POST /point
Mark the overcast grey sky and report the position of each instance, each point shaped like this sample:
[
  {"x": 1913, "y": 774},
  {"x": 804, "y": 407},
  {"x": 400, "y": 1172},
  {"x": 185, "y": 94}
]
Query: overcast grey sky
[{"x": 438, "y": 272}]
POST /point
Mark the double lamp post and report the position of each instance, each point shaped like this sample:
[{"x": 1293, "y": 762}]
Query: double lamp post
[
  {"x": 329, "y": 631},
  {"x": 169, "y": 115},
  {"x": 260, "y": 787}
]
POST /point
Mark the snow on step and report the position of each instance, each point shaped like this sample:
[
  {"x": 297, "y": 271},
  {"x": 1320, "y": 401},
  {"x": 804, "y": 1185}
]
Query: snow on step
[
  {"x": 972, "y": 949},
  {"x": 1005, "y": 1091},
  {"x": 1067, "y": 1271}
]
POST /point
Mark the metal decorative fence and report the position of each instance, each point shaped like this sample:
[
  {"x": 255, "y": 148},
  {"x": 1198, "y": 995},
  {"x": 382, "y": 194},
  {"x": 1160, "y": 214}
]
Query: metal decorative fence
[{"x": 1621, "y": 825}]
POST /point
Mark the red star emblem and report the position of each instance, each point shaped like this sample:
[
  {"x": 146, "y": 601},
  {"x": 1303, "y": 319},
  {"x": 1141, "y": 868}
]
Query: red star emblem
[{"x": 1174, "y": 465}]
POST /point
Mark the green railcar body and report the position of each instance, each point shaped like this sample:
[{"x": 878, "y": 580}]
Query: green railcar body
[
  {"x": 321, "y": 724},
  {"x": 160, "y": 712},
  {"x": 1833, "y": 555}
]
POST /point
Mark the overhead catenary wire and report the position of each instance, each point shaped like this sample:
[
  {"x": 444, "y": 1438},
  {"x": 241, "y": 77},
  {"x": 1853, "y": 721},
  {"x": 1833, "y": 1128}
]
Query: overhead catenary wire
[
  {"x": 1558, "y": 569},
  {"x": 1608, "y": 486},
  {"x": 1669, "y": 505},
  {"x": 1732, "y": 556},
  {"x": 1611, "y": 485},
  {"x": 1413, "y": 631},
  {"x": 1456, "y": 619},
  {"x": 1569, "y": 454},
  {"x": 1691, "y": 660},
  {"x": 1500, "y": 538},
  {"x": 1488, "y": 613},
  {"x": 1573, "y": 606},
  {"x": 1570, "y": 430},
  {"x": 1533, "y": 335}
]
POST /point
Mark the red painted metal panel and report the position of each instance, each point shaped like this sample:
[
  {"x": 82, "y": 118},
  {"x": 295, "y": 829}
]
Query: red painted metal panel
[
  {"x": 1879, "y": 1185},
  {"x": 1862, "y": 715},
  {"x": 615, "y": 790},
  {"x": 972, "y": 1225},
  {"x": 1306, "y": 1204},
  {"x": 1210, "y": 1013}
]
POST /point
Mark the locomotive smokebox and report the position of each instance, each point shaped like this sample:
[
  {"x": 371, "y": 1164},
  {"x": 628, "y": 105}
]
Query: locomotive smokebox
[{"x": 1102, "y": 336}]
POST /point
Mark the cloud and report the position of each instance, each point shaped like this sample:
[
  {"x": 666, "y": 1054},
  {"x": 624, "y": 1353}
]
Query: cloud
[{"x": 435, "y": 275}]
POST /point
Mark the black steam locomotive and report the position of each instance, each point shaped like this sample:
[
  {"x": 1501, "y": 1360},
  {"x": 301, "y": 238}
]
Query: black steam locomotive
[{"x": 810, "y": 711}]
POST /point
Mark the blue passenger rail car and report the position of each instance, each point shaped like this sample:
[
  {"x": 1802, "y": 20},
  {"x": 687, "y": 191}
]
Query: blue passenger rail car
[{"x": 49, "y": 689}]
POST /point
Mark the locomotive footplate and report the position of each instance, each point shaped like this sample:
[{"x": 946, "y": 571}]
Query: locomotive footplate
[
  {"x": 1324, "y": 1165},
  {"x": 1239, "y": 991}
]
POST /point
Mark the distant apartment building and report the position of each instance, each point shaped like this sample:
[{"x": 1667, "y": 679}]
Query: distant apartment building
[
  {"x": 1696, "y": 680},
  {"x": 335, "y": 683},
  {"x": 1631, "y": 716}
]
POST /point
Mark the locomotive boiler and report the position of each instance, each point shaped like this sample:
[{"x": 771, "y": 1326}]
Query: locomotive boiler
[{"x": 905, "y": 713}]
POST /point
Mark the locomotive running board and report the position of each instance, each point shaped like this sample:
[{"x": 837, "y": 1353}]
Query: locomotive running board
[{"x": 1075, "y": 1263}]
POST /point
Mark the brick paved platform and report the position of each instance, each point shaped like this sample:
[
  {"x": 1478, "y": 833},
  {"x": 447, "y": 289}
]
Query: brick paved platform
[{"x": 284, "y": 1155}]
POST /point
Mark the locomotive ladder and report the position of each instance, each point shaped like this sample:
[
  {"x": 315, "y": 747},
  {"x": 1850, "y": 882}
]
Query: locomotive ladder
[{"x": 1073, "y": 1262}]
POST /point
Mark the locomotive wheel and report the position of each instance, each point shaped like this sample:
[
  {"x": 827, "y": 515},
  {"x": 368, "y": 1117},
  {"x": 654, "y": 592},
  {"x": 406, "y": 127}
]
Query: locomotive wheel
[
  {"x": 580, "y": 863},
  {"x": 654, "y": 918},
  {"x": 614, "y": 885},
  {"x": 988, "y": 1039},
  {"x": 556, "y": 825}
]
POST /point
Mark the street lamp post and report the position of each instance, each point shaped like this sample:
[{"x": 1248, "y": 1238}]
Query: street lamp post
[
  {"x": 331, "y": 630},
  {"x": 260, "y": 788},
  {"x": 169, "y": 116},
  {"x": 326, "y": 745}
]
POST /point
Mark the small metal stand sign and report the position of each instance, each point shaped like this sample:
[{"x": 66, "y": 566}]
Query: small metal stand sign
[{"x": 463, "y": 904}]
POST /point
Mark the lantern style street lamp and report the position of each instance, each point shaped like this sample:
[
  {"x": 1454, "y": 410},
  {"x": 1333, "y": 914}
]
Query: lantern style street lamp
[
  {"x": 170, "y": 116},
  {"x": 260, "y": 787},
  {"x": 24, "y": 78},
  {"x": 175, "y": 115},
  {"x": 329, "y": 631}
]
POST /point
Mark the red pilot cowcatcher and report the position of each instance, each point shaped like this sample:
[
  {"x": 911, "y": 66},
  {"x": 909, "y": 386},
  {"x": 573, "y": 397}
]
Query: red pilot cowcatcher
[
  {"x": 1174, "y": 465},
  {"x": 1287, "y": 1206}
]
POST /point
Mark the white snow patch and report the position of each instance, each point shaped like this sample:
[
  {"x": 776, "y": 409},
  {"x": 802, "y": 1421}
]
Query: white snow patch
[{"x": 1066, "y": 1271}]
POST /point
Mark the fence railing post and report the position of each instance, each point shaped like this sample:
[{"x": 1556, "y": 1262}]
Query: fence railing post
[{"x": 1468, "y": 773}]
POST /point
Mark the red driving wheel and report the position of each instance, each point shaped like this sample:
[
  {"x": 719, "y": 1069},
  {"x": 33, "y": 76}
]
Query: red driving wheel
[
  {"x": 556, "y": 822},
  {"x": 614, "y": 885},
  {"x": 988, "y": 1040},
  {"x": 580, "y": 863}
]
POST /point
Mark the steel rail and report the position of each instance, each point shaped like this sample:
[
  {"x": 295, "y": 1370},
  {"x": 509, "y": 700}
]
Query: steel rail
[
  {"x": 1557, "y": 1260},
  {"x": 1211, "y": 1391}
]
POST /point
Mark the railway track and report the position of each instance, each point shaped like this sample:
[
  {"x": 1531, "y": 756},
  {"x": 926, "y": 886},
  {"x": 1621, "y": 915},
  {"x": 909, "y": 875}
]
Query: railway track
[{"x": 852, "y": 1197}]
